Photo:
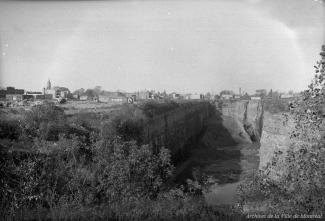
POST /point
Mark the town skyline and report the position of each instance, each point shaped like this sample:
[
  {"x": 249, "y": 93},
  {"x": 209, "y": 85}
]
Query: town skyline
[{"x": 99, "y": 90}]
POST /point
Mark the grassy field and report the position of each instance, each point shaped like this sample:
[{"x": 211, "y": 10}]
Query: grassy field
[{"x": 72, "y": 107}]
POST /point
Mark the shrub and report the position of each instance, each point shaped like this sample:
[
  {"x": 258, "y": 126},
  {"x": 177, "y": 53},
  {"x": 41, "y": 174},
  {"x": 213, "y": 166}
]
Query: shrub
[
  {"x": 38, "y": 118},
  {"x": 127, "y": 170},
  {"x": 300, "y": 187},
  {"x": 127, "y": 123},
  {"x": 9, "y": 129},
  {"x": 153, "y": 108},
  {"x": 276, "y": 105}
]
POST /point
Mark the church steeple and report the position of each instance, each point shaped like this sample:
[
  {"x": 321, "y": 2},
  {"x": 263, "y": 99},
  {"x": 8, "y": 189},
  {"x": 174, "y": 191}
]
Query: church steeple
[{"x": 48, "y": 85}]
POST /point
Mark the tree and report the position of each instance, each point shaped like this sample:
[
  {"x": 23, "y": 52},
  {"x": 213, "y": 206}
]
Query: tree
[
  {"x": 300, "y": 185},
  {"x": 227, "y": 92},
  {"x": 97, "y": 90},
  {"x": 80, "y": 91},
  {"x": 90, "y": 93},
  {"x": 310, "y": 111},
  {"x": 304, "y": 178},
  {"x": 274, "y": 94}
]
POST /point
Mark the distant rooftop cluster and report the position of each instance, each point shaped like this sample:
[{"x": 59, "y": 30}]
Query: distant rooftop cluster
[{"x": 12, "y": 96}]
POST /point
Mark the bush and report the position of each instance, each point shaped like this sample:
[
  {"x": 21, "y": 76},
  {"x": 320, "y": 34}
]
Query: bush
[
  {"x": 154, "y": 108},
  {"x": 300, "y": 185},
  {"x": 127, "y": 123},
  {"x": 62, "y": 172},
  {"x": 40, "y": 117},
  {"x": 276, "y": 105},
  {"x": 9, "y": 129},
  {"x": 73, "y": 172},
  {"x": 127, "y": 170}
]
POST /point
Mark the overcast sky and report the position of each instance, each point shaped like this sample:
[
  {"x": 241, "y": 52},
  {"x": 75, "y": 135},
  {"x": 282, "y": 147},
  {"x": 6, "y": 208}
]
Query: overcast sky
[{"x": 184, "y": 46}]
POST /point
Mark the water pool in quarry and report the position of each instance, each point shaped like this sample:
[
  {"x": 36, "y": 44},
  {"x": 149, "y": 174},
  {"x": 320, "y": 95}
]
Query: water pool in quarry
[
  {"x": 222, "y": 167},
  {"x": 225, "y": 175}
]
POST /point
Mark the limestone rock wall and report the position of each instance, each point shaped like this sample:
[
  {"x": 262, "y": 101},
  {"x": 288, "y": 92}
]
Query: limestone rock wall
[
  {"x": 233, "y": 122},
  {"x": 176, "y": 128},
  {"x": 275, "y": 137},
  {"x": 243, "y": 119}
]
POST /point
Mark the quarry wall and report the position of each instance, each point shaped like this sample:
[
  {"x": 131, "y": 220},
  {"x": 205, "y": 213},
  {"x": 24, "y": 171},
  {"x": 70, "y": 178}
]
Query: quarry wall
[
  {"x": 175, "y": 129},
  {"x": 243, "y": 119},
  {"x": 180, "y": 129},
  {"x": 276, "y": 137}
]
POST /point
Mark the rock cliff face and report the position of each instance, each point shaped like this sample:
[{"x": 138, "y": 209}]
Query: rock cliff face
[
  {"x": 243, "y": 120},
  {"x": 180, "y": 128},
  {"x": 229, "y": 123},
  {"x": 275, "y": 137}
]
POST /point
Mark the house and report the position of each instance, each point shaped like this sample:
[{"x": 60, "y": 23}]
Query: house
[
  {"x": 195, "y": 96},
  {"x": 255, "y": 98},
  {"x": 103, "y": 98},
  {"x": 109, "y": 96},
  {"x": 237, "y": 96},
  {"x": 14, "y": 97},
  {"x": 76, "y": 96},
  {"x": 175, "y": 95},
  {"x": 284, "y": 96},
  {"x": 118, "y": 99},
  {"x": 83, "y": 97},
  {"x": 33, "y": 95},
  {"x": 11, "y": 94},
  {"x": 226, "y": 96},
  {"x": 245, "y": 97},
  {"x": 10, "y": 91},
  {"x": 186, "y": 96}
]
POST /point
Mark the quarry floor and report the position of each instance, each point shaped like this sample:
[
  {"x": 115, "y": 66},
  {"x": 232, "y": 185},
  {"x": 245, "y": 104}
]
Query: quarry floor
[{"x": 221, "y": 164}]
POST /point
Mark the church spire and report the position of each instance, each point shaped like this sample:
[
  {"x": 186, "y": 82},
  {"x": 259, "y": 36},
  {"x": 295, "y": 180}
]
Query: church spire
[{"x": 48, "y": 85}]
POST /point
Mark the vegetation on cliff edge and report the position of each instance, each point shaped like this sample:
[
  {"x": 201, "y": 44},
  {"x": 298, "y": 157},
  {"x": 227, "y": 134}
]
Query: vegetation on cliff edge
[{"x": 299, "y": 188}]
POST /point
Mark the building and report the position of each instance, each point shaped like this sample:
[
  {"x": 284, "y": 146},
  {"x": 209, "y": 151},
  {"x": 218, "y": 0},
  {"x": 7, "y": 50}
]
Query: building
[
  {"x": 76, "y": 96},
  {"x": 55, "y": 92},
  {"x": 186, "y": 96},
  {"x": 245, "y": 97},
  {"x": 14, "y": 97},
  {"x": 83, "y": 98},
  {"x": 143, "y": 95},
  {"x": 175, "y": 95},
  {"x": 33, "y": 95},
  {"x": 195, "y": 96},
  {"x": 261, "y": 92},
  {"x": 103, "y": 98},
  {"x": 284, "y": 96},
  {"x": 255, "y": 98},
  {"x": 12, "y": 94},
  {"x": 118, "y": 99},
  {"x": 226, "y": 96},
  {"x": 10, "y": 90},
  {"x": 237, "y": 96}
]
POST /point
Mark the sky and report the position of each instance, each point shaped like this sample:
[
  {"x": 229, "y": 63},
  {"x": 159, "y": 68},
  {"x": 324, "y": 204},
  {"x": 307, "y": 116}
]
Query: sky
[{"x": 185, "y": 46}]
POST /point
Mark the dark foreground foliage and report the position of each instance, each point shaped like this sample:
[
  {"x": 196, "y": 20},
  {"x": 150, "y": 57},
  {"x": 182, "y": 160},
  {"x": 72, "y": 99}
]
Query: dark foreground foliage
[{"x": 72, "y": 171}]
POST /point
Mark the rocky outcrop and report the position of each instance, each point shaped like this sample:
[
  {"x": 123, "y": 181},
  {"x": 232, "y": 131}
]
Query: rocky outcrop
[
  {"x": 180, "y": 128},
  {"x": 228, "y": 123},
  {"x": 275, "y": 137},
  {"x": 243, "y": 120}
]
